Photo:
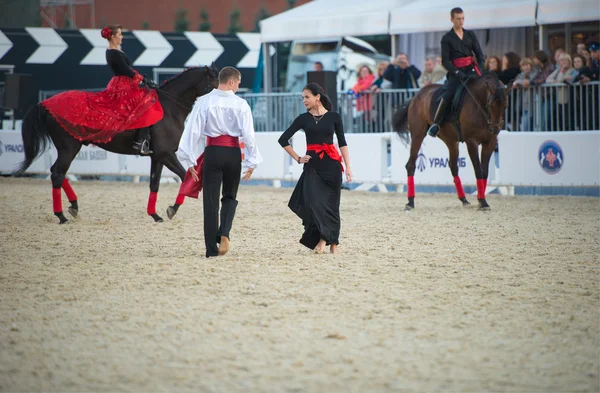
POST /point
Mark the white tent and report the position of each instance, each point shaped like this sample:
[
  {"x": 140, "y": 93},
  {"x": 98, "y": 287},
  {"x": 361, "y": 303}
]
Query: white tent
[
  {"x": 323, "y": 19},
  {"x": 326, "y": 19},
  {"x": 565, "y": 11},
  {"x": 434, "y": 15}
]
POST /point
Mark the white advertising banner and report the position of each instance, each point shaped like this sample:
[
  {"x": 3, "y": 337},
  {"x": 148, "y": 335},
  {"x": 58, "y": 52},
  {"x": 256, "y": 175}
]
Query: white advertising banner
[
  {"x": 274, "y": 157},
  {"x": 550, "y": 158},
  {"x": 11, "y": 154},
  {"x": 432, "y": 163},
  {"x": 368, "y": 156}
]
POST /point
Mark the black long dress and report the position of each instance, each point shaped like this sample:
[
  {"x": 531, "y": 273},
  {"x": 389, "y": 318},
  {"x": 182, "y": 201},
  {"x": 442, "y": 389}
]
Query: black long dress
[{"x": 316, "y": 198}]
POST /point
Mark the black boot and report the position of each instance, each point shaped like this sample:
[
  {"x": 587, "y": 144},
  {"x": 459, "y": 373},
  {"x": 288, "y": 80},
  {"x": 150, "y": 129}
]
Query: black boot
[
  {"x": 439, "y": 115},
  {"x": 142, "y": 143}
]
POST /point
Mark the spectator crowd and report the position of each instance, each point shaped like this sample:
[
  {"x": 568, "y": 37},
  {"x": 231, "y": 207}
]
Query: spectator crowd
[{"x": 564, "y": 100}]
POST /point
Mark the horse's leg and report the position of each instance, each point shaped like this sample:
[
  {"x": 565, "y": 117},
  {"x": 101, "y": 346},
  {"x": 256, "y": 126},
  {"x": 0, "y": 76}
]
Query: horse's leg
[
  {"x": 415, "y": 145},
  {"x": 453, "y": 163},
  {"x": 72, "y": 197},
  {"x": 66, "y": 154},
  {"x": 175, "y": 166},
  {"x": 155, "y": 172},
  {"x": 486, "y": 153},
  {"x": 473, "y": 150}
]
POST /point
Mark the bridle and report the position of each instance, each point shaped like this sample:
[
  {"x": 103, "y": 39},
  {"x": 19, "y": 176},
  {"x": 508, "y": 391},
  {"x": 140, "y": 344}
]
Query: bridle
[
  {"x": 490, "y": 99},
  {"x": 185, "y": 103}
]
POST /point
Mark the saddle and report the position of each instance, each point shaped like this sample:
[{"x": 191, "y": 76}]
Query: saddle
[{"x": 452, "y": 114}]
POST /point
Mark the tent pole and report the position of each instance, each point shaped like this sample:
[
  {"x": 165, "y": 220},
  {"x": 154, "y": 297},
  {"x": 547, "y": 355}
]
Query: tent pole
[
  {"x": 394, "y": 45},
  {"x": 267, "y": 65},
  {"x": 542, "y": 38},
  {"x": 568, "y": 37},
  {"x": 266, "y": 68}
]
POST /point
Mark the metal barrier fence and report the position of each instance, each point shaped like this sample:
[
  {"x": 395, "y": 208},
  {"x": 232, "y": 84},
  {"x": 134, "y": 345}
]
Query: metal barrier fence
[{"x": 552, "y": 107}]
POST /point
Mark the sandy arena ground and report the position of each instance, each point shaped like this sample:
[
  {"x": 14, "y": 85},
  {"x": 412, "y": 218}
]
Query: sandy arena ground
[{"x": 443, "y": 299}]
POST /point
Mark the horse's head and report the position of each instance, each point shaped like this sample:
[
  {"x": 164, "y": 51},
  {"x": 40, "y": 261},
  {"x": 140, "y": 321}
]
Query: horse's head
[
  {"x": 207, "y": 80},
  {"x": 192, "y": 83},
  {"x": 212, "y": 79},
  {"x": 496, "y": 103}
]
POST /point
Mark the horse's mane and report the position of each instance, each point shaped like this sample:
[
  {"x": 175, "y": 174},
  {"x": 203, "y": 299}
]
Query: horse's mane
[{"x": 176, "y": 77}]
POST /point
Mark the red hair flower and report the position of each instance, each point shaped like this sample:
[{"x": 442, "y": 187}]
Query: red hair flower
[{"x": 106, "y": 33}]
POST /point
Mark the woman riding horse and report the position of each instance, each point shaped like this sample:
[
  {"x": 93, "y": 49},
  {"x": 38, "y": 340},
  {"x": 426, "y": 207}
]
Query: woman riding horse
[
  {"x": 123, "y": 105},
  {"x": 110, "y": 119}
]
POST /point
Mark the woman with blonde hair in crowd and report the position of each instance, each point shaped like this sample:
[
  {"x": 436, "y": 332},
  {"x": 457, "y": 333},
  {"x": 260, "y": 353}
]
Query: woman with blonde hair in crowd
[
  {"x": 381, "y": 83},
  {"x": 559, "y": 76}
]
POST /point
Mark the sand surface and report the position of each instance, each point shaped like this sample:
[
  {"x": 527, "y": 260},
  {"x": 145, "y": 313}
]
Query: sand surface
[{"x": 443, "y": 299}]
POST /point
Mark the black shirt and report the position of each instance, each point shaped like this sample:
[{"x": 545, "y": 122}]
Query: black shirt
[
  {"x": 316, "y": 133},
  {"x": 454, "y": 48},
  {"x": 119, "y": 63}
]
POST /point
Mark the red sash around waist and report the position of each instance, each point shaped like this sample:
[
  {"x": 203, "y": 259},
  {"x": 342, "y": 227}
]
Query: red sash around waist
[
  {"x": 465, "y": 62},
  {"x": 326, "y": 148},
  {"x": 191, "y": 188}
]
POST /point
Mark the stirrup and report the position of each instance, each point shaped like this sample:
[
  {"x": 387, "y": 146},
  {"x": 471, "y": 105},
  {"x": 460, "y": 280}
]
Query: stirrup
[
  {"x": 433, "y": 130},
  {"x": 143, "y": 147}
]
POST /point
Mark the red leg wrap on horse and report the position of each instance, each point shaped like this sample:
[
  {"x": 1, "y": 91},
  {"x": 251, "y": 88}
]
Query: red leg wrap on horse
[
  {"x": 480, "y": 189},
  {"x": 411, "y": 186},
  {"x": 484, "y": 185},
  {"x": 459, "y": 188},
  {"x": 69, "y": 191},
  {"x": 180, "y": 199},
  {"x": 56, "y": 200},
  {"x": 152, "y": 203}
]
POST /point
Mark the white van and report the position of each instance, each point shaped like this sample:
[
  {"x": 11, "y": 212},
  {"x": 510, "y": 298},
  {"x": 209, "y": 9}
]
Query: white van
[{"x": 344, "y": 55}]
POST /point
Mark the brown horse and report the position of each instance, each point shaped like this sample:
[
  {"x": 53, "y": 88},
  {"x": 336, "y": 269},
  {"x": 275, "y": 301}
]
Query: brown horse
[{"x": 481, "y": 119}]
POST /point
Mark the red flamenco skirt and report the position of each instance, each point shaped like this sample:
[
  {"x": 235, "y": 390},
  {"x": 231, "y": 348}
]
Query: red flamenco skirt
[{"x": 98, "y": 117}]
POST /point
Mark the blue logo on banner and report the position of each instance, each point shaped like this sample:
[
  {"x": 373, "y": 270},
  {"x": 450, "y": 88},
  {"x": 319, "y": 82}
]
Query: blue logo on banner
[
  {"x": 1, "y": 148},
  {"x": 551, "y": 157}
]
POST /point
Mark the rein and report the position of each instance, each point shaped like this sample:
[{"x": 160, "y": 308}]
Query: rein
[
  {"x": 188, "y": 105},
  {"x": 497, "y": 125}
]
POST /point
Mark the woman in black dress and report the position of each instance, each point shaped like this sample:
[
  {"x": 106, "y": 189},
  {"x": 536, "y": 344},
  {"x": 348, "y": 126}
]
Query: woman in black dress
[{"x": 316, "y": 198}]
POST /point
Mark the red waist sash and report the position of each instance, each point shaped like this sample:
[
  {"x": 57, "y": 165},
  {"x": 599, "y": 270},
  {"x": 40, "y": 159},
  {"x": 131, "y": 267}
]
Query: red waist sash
[
  {"x": 326, "y": 148},
  {"x": 465, "y": 62},
  {"x": 191, "y": 188}
]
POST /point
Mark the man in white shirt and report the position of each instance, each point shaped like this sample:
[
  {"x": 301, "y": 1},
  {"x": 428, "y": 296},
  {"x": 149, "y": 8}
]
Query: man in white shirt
[{"x": 221, "y": 117}]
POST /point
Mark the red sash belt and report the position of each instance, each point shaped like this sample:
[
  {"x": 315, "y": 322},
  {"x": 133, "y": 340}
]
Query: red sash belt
[
  {"x": 191, "y": 188},
  {"x": 465, "y": 62},
  {"x": 326, "y": 148}
]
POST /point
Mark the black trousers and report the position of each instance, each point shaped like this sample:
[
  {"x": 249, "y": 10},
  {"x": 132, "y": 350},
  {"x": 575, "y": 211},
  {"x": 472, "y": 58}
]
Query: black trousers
[
  {"x": 451, "y": 86},
  {"x": 222, "y": 166}
]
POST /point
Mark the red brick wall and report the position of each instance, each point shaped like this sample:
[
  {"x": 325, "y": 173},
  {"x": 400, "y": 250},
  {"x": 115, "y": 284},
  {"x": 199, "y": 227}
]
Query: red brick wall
[{"x": 160, "y": 14}]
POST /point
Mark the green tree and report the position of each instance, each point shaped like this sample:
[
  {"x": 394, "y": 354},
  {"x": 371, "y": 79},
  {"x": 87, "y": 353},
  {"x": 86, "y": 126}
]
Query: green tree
[
  {"x": 234, "y": 21},
  {"x": 181, "y": 22},
  {"x": 205, "y": 24},
  {"x": 262, "y": 14}
]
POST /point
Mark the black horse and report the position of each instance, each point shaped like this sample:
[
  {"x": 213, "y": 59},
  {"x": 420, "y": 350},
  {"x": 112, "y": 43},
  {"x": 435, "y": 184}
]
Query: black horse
[{"x": 177, "y": 97}]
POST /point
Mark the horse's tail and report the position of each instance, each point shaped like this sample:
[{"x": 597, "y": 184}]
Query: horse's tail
[
  {"x": 36, "y": 138},
  {"x": 400, "y": 122}
]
